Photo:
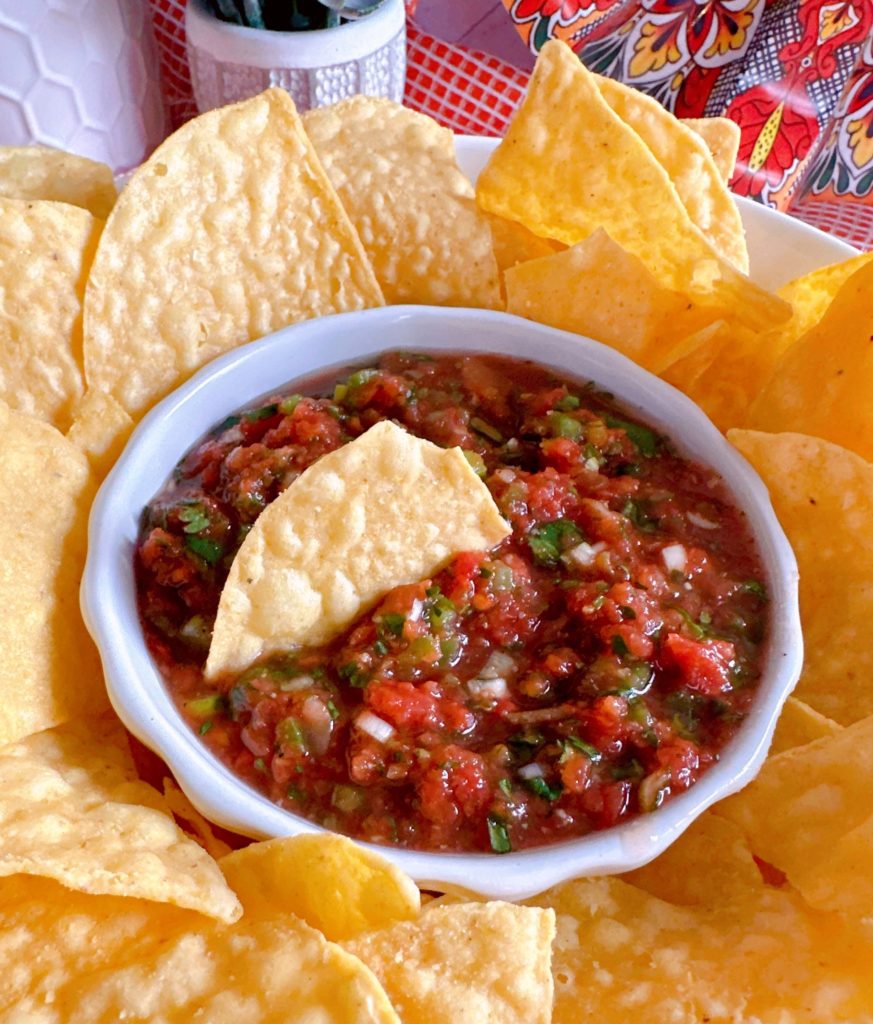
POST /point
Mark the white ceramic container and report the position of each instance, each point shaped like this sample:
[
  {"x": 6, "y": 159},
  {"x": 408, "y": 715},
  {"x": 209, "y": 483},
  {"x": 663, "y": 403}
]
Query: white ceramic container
[
  {"x": 241, "y": 377},
  {"x": 81, "y": 75},
  {"x": 232, "y": 62}
]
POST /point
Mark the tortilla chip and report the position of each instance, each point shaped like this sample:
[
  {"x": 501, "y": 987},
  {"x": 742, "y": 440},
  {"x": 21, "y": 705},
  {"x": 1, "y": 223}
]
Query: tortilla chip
[
  {"x": 722, "y": 137},
  {"x": 335, "y": 885},
  {"x": 397, "y": 176},
  {"x": 710, "y": 863},
  {"x": 37, "y": 172},
  {"x": 229, "y": 231},
  {"x": 811, "y": 294},
  {"x": 470, "y": 962},
  {"x": 623, "y": 955},
  {"x": 70, "y": 958},
  {"x": 727, "y": 370},
  {"x": 100, "y": 429},
  {"x": 823, "y": 496},
  {"x": 598, "y": 290},
  {"x": 690, "y": 166},
  {"x": 514, "y": 244},
  {"x": 72, "y": 809},
  {"x": 800, "y": 724},
  {"x": 810, "y": 813},
  {"x": 191, "y": 821},
  {"x": 50, "y": 670},
  {"x": 45, "y": 252},
  {"x": 822, "y": 384},
  {"x": 386, "y": 509},
  {"x": 616, "y": 183}
]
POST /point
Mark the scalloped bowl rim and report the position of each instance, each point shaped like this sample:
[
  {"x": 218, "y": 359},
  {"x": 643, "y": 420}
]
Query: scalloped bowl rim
[{"x": 254, "y": 370}]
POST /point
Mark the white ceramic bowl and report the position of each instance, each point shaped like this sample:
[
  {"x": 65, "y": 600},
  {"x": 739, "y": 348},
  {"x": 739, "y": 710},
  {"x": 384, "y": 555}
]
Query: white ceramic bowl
[{"x": 239, "y": 378}]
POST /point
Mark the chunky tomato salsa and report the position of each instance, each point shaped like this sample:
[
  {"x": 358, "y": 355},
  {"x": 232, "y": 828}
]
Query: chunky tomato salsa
[{"x": 585, "y": 671}]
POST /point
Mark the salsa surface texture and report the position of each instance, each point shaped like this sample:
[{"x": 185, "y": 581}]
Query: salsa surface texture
[{"x": 585, "y": 671}]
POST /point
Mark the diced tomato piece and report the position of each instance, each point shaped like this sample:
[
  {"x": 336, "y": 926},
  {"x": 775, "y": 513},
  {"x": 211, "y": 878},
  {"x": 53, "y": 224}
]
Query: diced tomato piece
[
  {"x": 416, "y": 708},
  {"x": 463, "y": 572},
  {"x": 682, "y": 758},
  {"x": 702, "y": 665},
  {"x": 561, "y": 453}
]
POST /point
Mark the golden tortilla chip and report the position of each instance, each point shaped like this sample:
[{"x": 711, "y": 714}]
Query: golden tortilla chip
[
  {"x": 709, "y": 863},
  {"x": 810, "y": 813},
  {"x": 229, "y": 231},
  {"x": 689, "y": 164},
  {"x": 45, "y": 252},
  {"x": 597, "y": 289},
  {"x": 72, "y": 809},
  {"x": 725, "y": 375},
  {"x": 514, "y": 244},
  {"x": 386, "y": 509},
  {"x": 333, "y": 884},
  {"x": 569, "y": 165},
  {"x": 469, "y": 962},
  {"x": 800, "y": 724},
  {"x": 811, "y": 294},
  {"x": 415, "y": 211},
  {"x": 625, "y": 956},
  {"x": 37, "y": 172},
  {"x": 722, "y": 137},
  {"x": 50, "y": 670},
  {"x": 70, "y": 958},
  {"x": 100, "y": 429},
  {"x": 822, "y": 384},
  {"x": 191, "y": 821},
  {"x": 823, "y": 496}
]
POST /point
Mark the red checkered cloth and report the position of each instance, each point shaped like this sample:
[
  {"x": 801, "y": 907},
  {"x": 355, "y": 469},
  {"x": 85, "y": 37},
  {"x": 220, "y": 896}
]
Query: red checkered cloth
[{"x": 470, "y": 92}]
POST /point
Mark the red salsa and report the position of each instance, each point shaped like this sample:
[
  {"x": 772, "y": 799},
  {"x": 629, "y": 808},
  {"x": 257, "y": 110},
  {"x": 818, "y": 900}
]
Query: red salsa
[{"x": 585, "y": 671}]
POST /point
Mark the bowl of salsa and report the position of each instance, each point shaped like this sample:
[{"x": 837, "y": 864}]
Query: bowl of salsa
[{"x": 564, "y": 703}]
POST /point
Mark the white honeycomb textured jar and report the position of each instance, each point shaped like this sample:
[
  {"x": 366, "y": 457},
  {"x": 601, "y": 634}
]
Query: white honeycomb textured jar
[
  {"x": 232, "y": 62},
  {"x": 81, "y": 75}
]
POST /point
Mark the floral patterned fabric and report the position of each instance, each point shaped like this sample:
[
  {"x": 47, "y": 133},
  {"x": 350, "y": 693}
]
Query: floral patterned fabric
[{"x": 796, "y": 76}]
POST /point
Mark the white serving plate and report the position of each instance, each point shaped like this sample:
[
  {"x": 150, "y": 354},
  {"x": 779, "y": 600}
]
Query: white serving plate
[{"x": 780, "y": 248}]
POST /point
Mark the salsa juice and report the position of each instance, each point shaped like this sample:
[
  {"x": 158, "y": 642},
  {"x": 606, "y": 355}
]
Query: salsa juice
[{"x": 586, "y": 670}]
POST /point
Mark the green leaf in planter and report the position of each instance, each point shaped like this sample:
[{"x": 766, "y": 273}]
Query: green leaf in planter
[
  {"x": 226, "y": 10},
  {"x": 253, "y": 14}
]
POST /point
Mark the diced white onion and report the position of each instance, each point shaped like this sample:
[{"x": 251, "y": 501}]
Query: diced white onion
[
  {"x": 495, "y": 688},
  {"x": 592, "y": 465},
  {"x": 704, "y": 524},
  {"x": 414, "y": 613},
  {"x": 297, "y": 683},
  {"x": 374, "y": 726},
  {"x": 506, "y": 475},
  {"x": 498, "y": 666},
  {"x": 585, "y": 553},
  {"x": 675, "y": 557},
  {"x": 530, "y": 771}
]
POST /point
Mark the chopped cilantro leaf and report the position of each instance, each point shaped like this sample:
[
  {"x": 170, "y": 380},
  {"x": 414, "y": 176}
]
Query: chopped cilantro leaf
[
  {"x": 542, "y": 788},
  {"x": 576, "y": 744},
  {"x": 393, "y": 622},
  {"x": 505, "y": 786},
  {"x": 194, "y": 516},
  {"x": 264, "y": 413},
  {"x": 618, "y": 645},
  {"x": 209, "y": 550},
  {"x": 354, "y": 674},
  {"x": 205, "y": 727},
  {"x": 498, "y": 835},
  {"x": 757, "y": 588}
]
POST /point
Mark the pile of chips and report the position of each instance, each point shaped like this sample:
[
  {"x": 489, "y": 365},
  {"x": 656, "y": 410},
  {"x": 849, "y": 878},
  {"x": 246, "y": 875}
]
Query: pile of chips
[{"x": 599, "y": 213}]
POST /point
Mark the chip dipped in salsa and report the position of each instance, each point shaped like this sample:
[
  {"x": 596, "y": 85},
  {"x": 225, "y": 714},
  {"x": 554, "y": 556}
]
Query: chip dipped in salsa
[{"x": 589, "y": 668}]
